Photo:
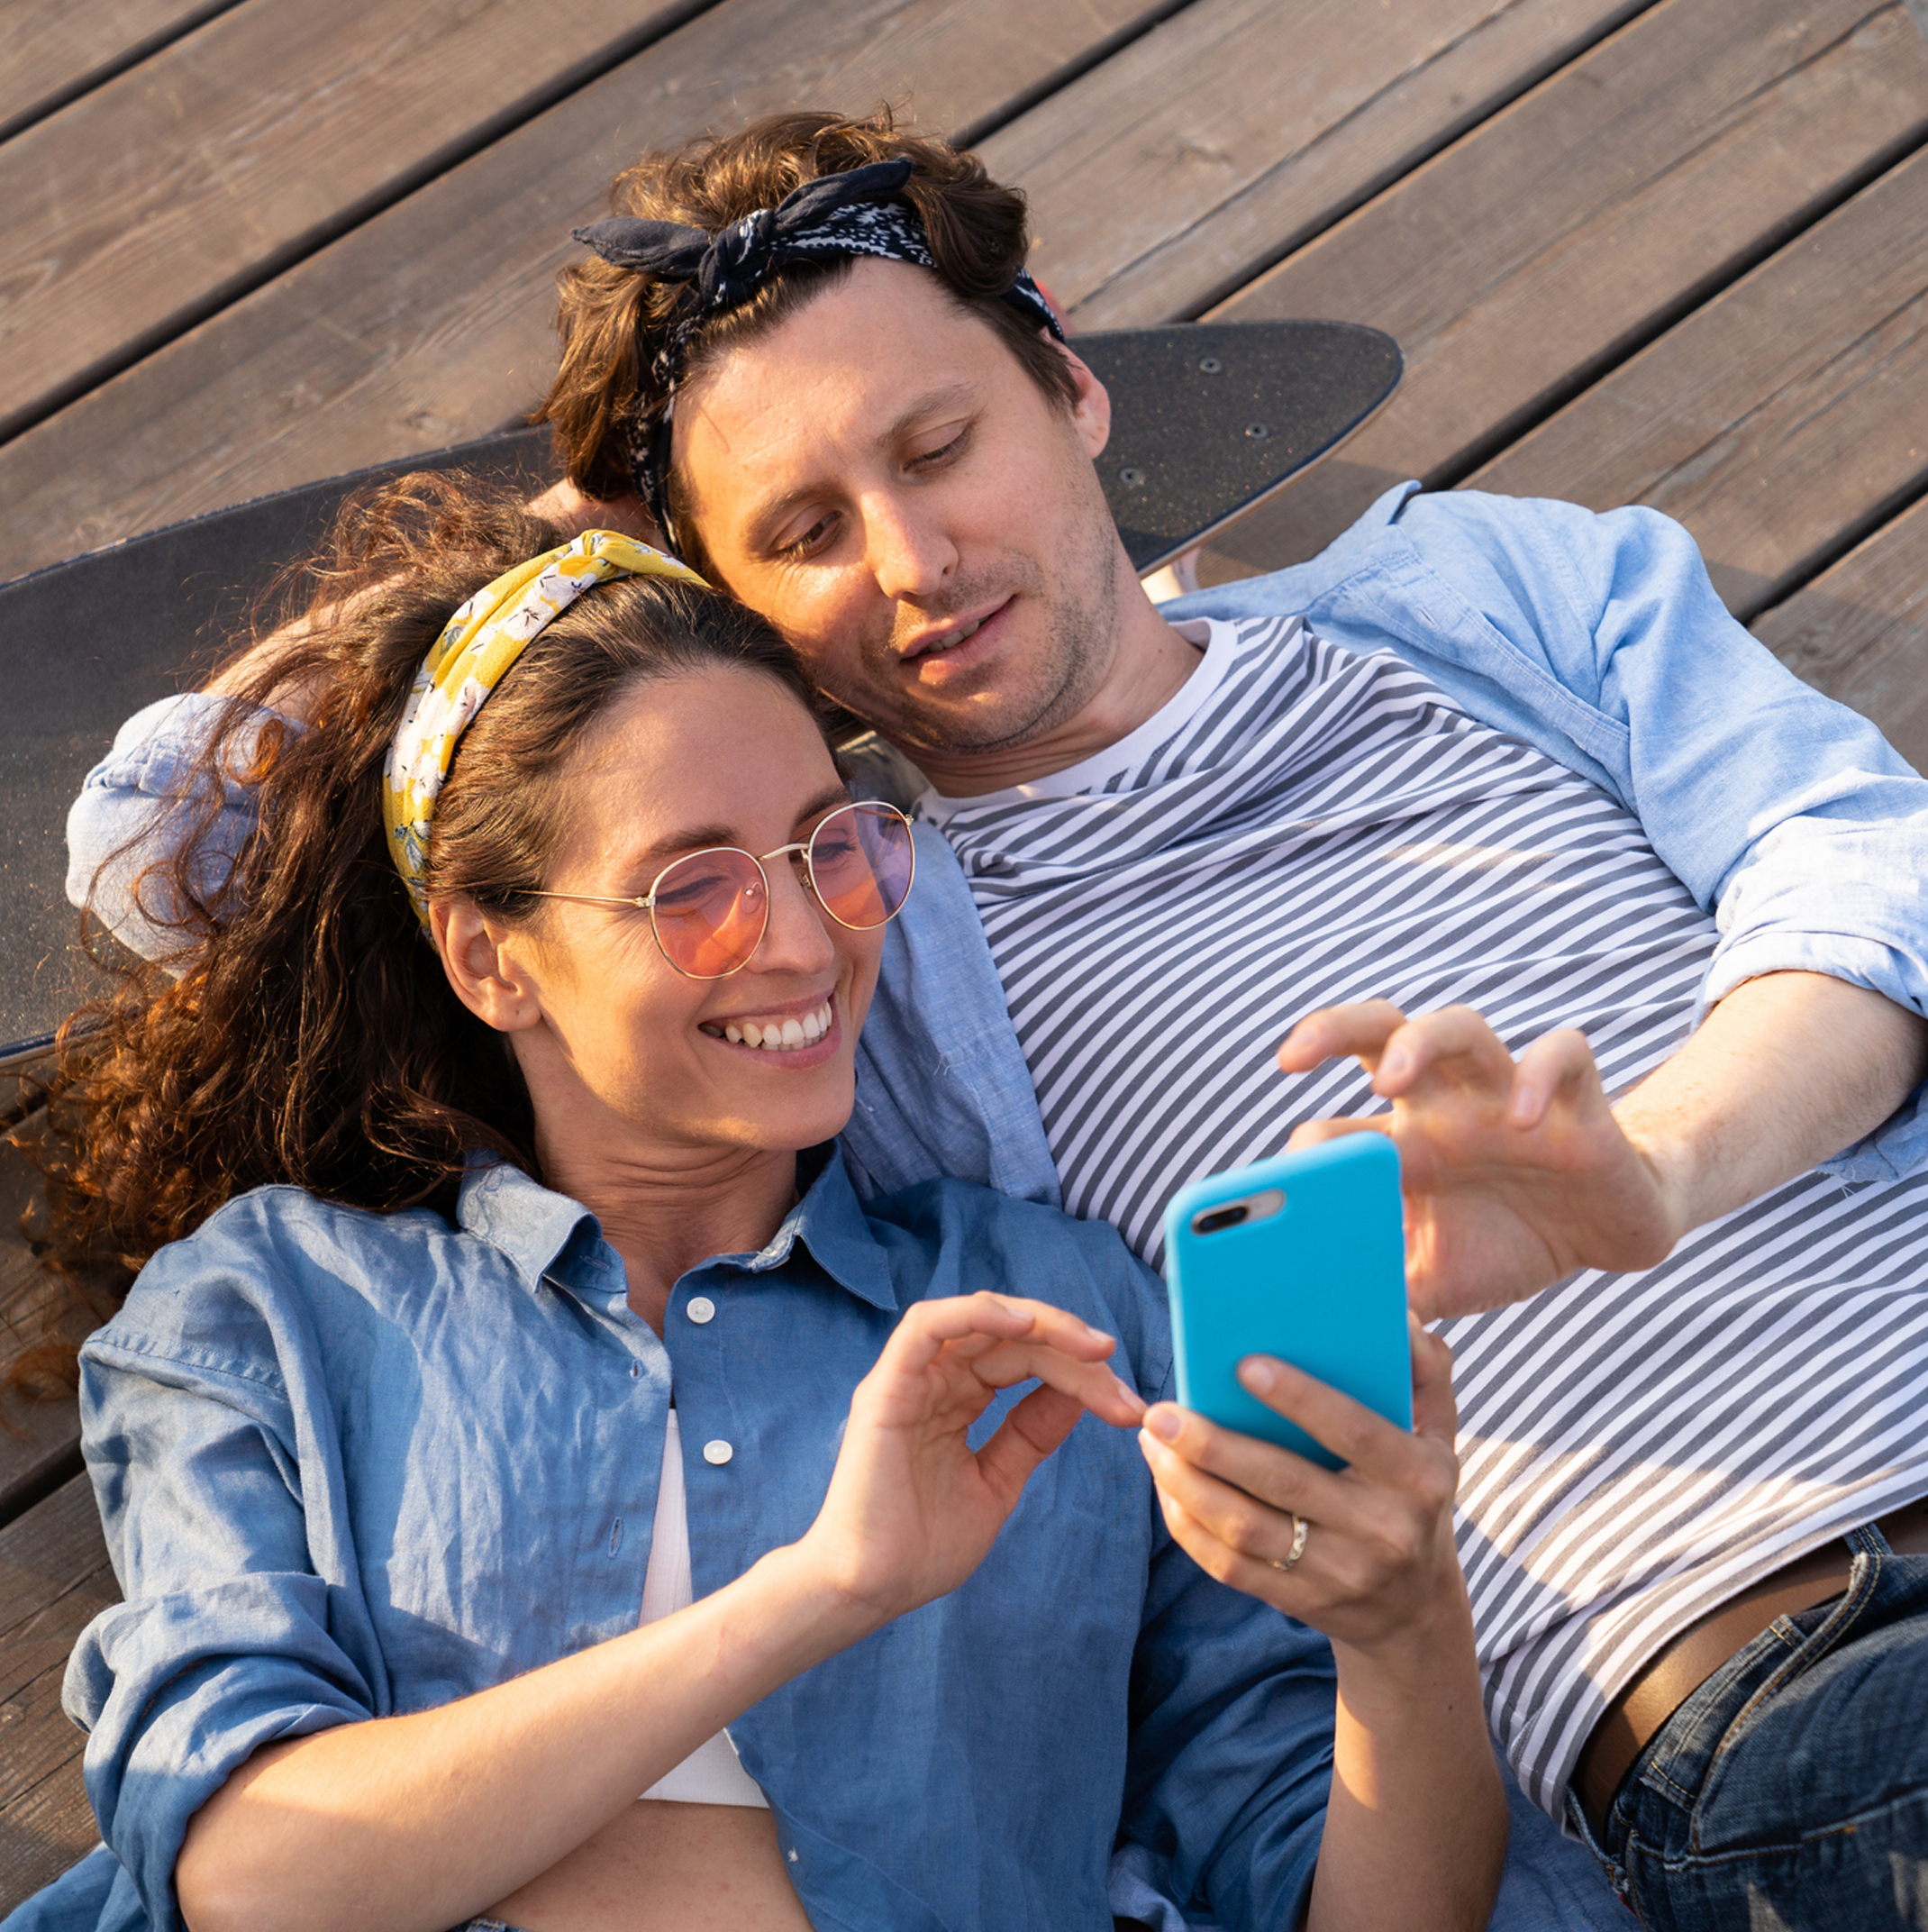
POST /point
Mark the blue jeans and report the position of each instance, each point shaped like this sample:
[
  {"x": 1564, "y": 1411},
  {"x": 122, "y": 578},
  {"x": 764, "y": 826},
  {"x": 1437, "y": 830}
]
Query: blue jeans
[{"x": 1789, "y": 1793}]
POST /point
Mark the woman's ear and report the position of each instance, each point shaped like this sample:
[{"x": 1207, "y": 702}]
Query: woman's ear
[{"x": 486, "y": 965}]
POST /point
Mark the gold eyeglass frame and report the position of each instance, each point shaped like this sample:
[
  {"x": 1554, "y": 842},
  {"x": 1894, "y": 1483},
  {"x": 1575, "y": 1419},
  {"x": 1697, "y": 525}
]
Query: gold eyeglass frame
[{"x": 647, "y": 903}]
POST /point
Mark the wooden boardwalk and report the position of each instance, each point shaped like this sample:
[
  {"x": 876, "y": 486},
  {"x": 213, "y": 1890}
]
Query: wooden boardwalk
[{"x": 1663, "y": 252}]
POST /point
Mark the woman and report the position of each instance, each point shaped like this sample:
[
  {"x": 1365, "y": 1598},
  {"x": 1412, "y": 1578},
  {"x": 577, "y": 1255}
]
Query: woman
[{"x": 519, "y": 1413}]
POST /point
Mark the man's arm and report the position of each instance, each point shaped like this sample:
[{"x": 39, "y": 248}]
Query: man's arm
[{"x": 1518, "y": 1173}]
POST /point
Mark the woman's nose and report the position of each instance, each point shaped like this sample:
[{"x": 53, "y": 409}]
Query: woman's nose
[{"x": 797, "y": 935}]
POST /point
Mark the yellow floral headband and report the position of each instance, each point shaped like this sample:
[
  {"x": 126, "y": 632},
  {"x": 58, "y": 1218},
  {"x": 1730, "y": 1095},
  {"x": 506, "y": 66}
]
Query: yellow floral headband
[{"x": 473, "y": 655}]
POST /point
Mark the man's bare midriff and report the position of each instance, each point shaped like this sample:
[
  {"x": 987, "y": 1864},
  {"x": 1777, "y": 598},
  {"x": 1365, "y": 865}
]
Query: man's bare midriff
[{"x": 666, "y": 1868}]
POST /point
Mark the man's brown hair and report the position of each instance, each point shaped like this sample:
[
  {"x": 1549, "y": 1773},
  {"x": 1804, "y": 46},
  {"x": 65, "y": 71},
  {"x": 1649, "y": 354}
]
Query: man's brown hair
[{"x": 613, "y": 320}]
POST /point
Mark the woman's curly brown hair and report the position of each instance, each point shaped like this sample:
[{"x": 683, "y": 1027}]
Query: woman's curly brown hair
[
  {"x": 300, "y": 1028},
  {"x": 611, "y": 320}
]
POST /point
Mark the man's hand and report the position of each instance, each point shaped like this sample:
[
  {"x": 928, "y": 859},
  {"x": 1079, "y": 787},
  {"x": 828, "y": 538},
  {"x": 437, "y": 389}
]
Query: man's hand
[
  {"x": 1515, "y": 1172},
  {"x": 1519, "y": 1172}
]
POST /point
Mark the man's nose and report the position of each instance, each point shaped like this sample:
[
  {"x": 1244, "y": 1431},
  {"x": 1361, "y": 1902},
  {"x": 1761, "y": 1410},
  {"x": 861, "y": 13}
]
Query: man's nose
[{"x": 909, "y": 553}]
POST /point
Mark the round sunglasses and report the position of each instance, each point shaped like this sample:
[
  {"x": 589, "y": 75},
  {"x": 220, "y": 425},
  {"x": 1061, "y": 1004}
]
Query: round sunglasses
[{"x": 709, "y": 909}]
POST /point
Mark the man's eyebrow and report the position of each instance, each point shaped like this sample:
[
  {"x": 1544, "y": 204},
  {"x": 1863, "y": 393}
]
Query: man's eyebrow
[{"x": 765, "y": 518}]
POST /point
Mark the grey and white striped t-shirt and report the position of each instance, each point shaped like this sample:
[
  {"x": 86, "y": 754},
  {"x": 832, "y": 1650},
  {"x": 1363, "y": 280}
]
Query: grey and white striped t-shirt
[{"x": 1303, "y": 825}]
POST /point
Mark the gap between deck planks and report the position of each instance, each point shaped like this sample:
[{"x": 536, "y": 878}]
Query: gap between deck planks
[
  {"x": 1666, "y": 161},
  {"x": 156, "y": 198},
  {"x": 54, "y": 54},
  {"x": 1166, "y": 177},
  {"x": 54, "y": 1578},
  {"x": 429, "y": 323},
  {"x": 1777, "y": 419},
  {"x": 1860, "y": 630}
]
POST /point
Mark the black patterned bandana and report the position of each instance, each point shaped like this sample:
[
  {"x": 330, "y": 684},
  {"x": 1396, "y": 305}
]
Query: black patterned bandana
[{"x": 848, "y": 213}]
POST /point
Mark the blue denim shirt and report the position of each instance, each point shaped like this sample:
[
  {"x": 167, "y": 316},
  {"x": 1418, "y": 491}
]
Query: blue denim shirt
[
  {"x": 351, "y": 1464},
  {"x": 1599, "y": 640}
]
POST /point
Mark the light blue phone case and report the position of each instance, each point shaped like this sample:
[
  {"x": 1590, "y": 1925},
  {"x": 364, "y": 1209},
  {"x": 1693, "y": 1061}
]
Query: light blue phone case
[{"x": 1319, "y": 1283}]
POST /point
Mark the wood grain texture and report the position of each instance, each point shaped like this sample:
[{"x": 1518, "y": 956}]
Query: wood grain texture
[
  {"x": 234, "y": 148},
  {"x": 1860, "y": 630},
  {"x": 52, "y": 52},
  {"x": 430, "y": 323},
  {"x": 1165, "y": 177},
  {"x": 1583, "y": 220},
  {"x": 54, "y": 1578},
  {"x": 37, "y": 1439},
  {"x": 1790, "y": 409}
]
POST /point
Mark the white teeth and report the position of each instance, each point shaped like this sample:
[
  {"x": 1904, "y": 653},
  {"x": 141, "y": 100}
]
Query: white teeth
[{"x": 778, "y": 1036}]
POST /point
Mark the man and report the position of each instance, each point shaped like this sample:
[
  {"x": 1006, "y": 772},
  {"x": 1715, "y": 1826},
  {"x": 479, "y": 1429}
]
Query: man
[{"x": 1509, "y": 768}]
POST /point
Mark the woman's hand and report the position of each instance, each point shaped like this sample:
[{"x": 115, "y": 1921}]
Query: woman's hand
[
  {"x": 1515, "y": 1172},
  {"x": 1415, "y": 1825},
  {"x": 912, "y": 1508},
  {"x": 1377, "y": 1565}
]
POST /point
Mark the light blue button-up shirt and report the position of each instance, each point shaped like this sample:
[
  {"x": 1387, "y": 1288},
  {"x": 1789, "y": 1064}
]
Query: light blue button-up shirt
[{"x": 352, "y": 1464}]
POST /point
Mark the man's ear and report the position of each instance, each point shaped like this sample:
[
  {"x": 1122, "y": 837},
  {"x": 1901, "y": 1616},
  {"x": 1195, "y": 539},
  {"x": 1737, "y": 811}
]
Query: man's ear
[
  {"x": 486, "y": 965},
  {"x": 1091, "y": 413}
]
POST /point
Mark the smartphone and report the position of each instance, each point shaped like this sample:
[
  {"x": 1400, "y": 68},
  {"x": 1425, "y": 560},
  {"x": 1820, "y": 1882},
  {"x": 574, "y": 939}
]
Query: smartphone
[{"x": 1301, "y": 1257}]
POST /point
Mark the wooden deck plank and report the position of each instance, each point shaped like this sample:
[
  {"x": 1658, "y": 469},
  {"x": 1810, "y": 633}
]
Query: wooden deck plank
[
  {"x": 54, "y": 1578},
  {"x": 1860, "y": 630},
  {"x": 191, "y": 176},
  {"x": 429, "y": 323},
  {"x": 54, "y": 53},
  {"x": 1784, "y": 413},
  {"x": 1663, "y": 163},
  {"x": 38, "y": 1441},
  {"x": 1156, "y": 188}
]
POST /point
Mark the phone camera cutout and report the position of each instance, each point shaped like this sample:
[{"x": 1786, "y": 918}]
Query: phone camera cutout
[{"x": 1259, "y": 1207}]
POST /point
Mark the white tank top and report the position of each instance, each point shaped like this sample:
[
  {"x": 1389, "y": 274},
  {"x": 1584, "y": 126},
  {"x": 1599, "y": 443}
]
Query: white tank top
[{"x": 710, "y": 1774}]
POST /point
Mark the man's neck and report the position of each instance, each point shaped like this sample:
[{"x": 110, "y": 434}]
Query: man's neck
[{"x": 1151, "y": 668}]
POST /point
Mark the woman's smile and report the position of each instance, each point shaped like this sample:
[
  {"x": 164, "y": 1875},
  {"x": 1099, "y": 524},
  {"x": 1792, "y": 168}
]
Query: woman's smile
[{"x": 799, "y": 1034}]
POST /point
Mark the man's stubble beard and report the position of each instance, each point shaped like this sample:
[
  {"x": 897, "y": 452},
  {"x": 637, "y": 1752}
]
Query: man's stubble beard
[{"x": 1080, "y": 640}]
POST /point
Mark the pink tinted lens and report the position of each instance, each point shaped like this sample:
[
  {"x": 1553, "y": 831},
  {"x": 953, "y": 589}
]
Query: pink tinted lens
[
  {"x": 710, "y": 910},
  {"x": 860, "y": 862}
]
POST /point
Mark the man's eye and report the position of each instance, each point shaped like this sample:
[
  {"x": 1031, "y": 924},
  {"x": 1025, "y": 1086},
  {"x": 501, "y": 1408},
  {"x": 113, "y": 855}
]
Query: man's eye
[
  {"x": 812, "y": 539},
  {"x": 943, "y": 453}
]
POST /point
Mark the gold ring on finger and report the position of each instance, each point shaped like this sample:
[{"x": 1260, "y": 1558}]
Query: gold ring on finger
[{"x": 1301, "y": 1528}]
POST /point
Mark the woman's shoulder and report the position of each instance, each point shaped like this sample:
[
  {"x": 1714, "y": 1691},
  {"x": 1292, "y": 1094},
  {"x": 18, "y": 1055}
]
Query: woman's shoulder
[{"x": 254, "y": 1268}]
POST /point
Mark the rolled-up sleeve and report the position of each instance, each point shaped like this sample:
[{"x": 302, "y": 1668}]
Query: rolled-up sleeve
[
  {"x": 139, "y": 804},
  {"x": 229, "y": 1638}
]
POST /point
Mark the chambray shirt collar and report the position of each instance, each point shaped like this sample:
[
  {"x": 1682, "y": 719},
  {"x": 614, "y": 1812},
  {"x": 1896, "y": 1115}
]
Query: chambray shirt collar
[{"x": 546, "y": 1237}]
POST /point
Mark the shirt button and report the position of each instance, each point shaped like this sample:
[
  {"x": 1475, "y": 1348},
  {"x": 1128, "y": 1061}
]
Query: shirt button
[
  {"x": 700, "y": 1308},
  {"x": 718, "y": 1452},
  {"x": 635, "y": 1371}
]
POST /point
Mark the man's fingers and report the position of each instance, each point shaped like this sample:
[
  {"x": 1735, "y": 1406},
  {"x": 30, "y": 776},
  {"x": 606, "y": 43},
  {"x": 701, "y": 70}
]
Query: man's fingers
[
  {"x": 1455, "y": 1039},
  {"x": 1360, "y": 1030},
  {"x": 1560, "y": 1065},
  {"x": 1317, "y": 1133}
]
